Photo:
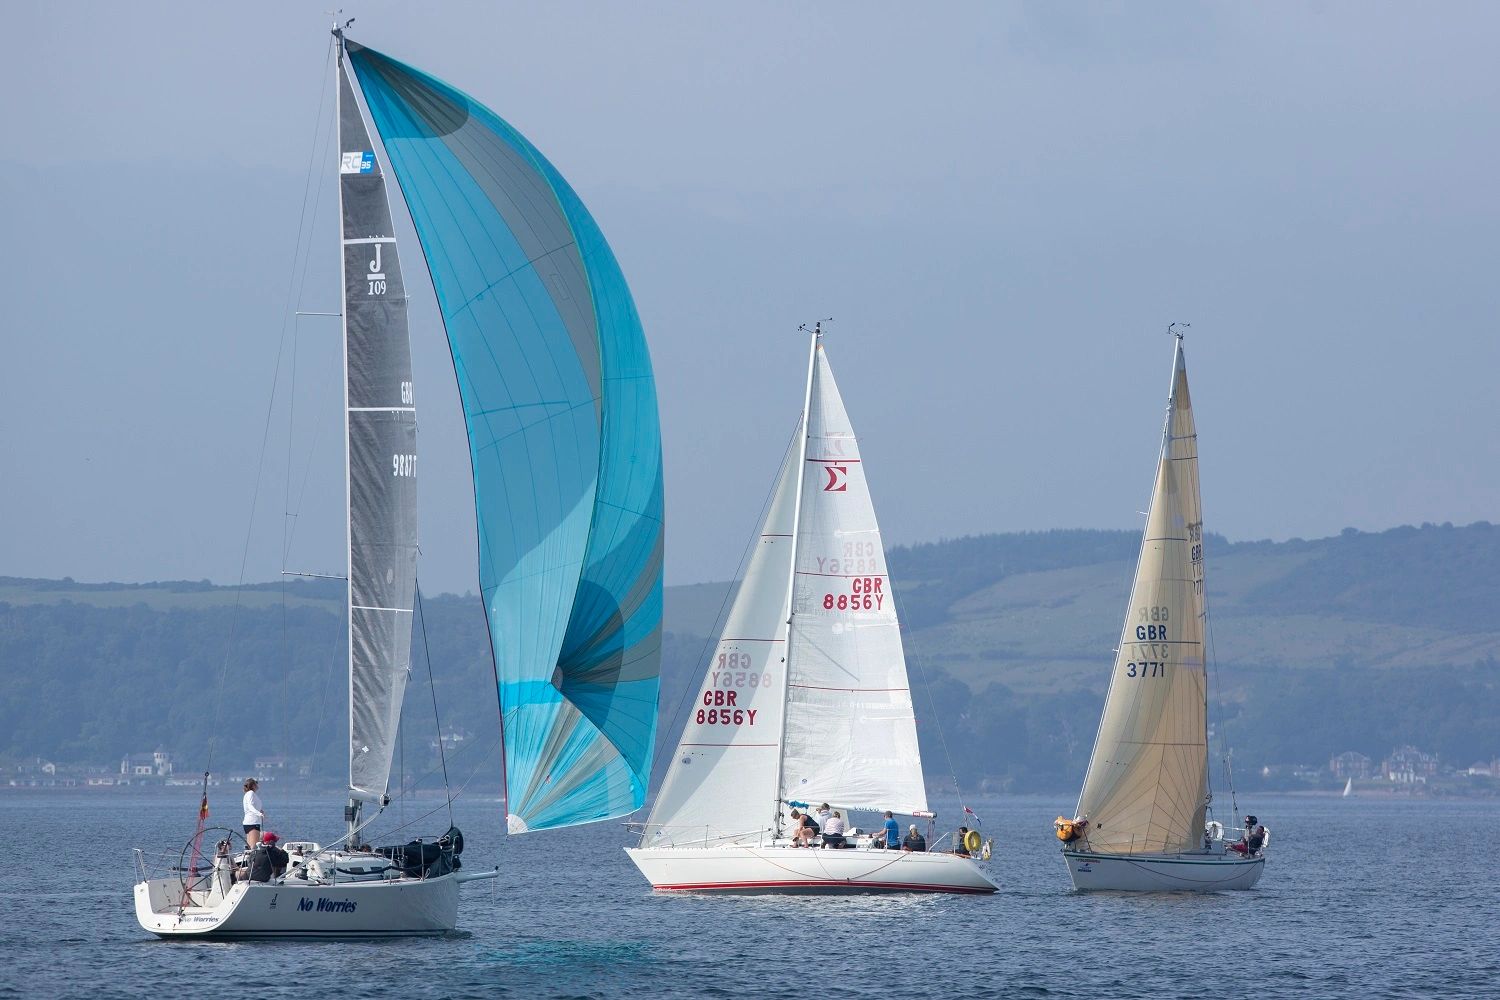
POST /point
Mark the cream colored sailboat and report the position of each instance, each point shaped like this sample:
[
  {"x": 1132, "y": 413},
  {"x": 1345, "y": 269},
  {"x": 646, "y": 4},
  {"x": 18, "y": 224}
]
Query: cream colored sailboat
[{"x": 1141, "y": 821}]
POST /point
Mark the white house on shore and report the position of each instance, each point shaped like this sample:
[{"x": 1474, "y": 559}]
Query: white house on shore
[{"x": 157, "y": 764}]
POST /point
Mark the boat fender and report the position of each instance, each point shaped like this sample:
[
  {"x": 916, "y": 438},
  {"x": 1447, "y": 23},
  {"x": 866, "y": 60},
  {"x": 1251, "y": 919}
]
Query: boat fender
[{"x": 972, "y": 841}]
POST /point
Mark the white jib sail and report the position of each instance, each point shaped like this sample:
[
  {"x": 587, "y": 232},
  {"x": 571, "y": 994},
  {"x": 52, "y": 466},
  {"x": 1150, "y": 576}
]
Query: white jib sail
[
  {"x": 1147, "y": 783},
  {"x": 720, "y": 787},
  {"x": 851, "y": 737}
]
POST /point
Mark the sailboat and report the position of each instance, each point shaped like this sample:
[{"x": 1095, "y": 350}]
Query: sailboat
[
  {"x": 805, "y": 699},
  {"x": 1141, "y": 817},
  {"x": 1348, "y": 788},
  {"x": 560, "y": 407}
]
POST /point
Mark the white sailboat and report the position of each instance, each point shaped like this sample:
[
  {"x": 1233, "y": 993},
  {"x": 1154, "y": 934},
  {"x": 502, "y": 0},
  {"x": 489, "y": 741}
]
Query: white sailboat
[
  {"x": 560, "y": 408},
  {"x": 1348, "y": 788},
  {"x": 1140, "y": 822},
  {"x": 805, "y": 699}
]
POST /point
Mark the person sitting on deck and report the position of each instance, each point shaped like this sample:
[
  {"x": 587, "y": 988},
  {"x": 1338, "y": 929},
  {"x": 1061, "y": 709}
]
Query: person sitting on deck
[
  {"x": 959, "y": 847},
  {"x": 279, "y": 858},
  {"x": 914, "y": 842},
  {"x": 833, "y": 830},
  {"x": 1244, "y": 845},
  {"x": 803, "y": 829},
  {"x": 258, "y": 865}
]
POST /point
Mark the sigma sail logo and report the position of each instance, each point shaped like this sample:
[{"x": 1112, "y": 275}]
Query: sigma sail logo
[
  {"x": 838, "y": 479},
  {"x": 357, "y": 163}
]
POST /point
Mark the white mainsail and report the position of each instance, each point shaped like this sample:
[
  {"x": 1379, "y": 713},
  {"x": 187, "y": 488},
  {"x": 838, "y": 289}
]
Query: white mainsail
[
  {"x": 806, "y": 696},
  {"x": 1147, "y": 785},
  {"x": 851, "y": 736},
  {"x": 721, "y": 785}
]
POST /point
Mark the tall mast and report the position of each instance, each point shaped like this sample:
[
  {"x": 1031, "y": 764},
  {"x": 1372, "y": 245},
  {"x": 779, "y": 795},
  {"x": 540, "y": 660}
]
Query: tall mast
[
  {"x": 380, "y": 449},
  {"x": 1179, "y": 363},
  {"x": 352, "y": 809},
  {"x": 812, "y": 362}
]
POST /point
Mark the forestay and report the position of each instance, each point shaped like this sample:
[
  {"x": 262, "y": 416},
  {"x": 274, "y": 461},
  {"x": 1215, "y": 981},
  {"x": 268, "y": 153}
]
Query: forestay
[
  {"x": 564, "y": 441},
  {"x": 851, "y": 736},
  {"x": 720, "y": 787},
  {"x": 1147, "y": 784},
  {"x": 381, "y": 424}
]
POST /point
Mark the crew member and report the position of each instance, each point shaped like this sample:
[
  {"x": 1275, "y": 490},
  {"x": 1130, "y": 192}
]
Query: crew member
[
  {"x": 833, "y": 830},
  {"x": 255, "y": 814}
]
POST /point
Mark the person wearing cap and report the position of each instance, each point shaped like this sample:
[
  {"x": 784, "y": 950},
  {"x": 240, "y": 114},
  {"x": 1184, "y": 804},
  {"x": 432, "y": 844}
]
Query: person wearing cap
[
  {"x": 255, "y": 813},
  {"x": 890, "y": 835},
  {"x": 914, "y": 843},
  {"x": 1244, "y": 844},
  {"x": 270, "y": 843}
]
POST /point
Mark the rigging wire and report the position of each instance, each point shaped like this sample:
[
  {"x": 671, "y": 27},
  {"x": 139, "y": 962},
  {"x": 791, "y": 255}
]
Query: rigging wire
[
  {"x": 1213, "y": 665},
  {"x": 265, "y": 435},
  {"x": 432, "y": 688},
  {"x": 433, "y": 811},
  {"x": 301, "y": 260},
  {"x": 931, "y": 702}
]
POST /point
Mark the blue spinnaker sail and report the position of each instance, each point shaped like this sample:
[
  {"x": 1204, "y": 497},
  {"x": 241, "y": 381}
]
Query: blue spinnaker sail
[{"x": 560, "y": 405}]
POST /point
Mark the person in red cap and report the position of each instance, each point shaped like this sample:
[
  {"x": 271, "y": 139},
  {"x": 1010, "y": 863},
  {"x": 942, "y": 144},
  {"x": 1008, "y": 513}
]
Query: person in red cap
[{"x": 279, "y": 858}]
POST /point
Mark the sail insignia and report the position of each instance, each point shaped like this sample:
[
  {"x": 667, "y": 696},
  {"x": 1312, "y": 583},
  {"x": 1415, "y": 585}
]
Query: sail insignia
[{"x": 564, "y": 441}]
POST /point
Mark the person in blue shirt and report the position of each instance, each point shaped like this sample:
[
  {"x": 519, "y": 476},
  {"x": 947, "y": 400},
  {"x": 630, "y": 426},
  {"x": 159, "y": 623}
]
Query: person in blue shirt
[{"x": 892, "y": 832}]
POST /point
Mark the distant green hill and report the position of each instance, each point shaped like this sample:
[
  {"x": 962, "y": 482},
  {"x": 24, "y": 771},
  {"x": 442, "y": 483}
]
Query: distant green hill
[{"x": 1361, "y": 641}]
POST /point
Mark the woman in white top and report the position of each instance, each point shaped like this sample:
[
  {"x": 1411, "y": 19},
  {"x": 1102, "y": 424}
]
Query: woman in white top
[
  {"x": 255, "y": 815},
  {"x": 833, "y": 830}
]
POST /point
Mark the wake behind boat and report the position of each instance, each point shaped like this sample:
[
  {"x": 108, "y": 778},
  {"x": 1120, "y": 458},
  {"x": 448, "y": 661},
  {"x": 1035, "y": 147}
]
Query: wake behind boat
[
  {"x": 1141, "y": 821},
  {"x": 560, "y": 407},
  {"x": 805, "y": 699}
]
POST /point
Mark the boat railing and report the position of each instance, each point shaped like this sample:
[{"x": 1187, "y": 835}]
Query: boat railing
[
  {"x": 697, "y": 836},
  {"x": 159, "y": 864}
]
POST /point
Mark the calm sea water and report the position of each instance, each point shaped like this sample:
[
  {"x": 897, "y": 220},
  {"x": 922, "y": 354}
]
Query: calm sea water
[{"x": 1362, "y": 898}]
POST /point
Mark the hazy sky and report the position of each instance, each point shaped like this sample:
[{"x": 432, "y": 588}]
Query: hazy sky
[{"x": 1002, "y": 205}]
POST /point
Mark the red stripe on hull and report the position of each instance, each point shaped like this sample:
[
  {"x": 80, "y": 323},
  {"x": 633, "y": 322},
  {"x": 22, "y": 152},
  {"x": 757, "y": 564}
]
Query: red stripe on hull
[{"x": 847, "y": 886}]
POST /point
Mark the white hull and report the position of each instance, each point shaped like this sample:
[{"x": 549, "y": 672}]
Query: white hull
[
  {"x": 402, "y": 907},
  {"x": 1162, "y": 872},
  {"x": 806, "y": 870}
]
